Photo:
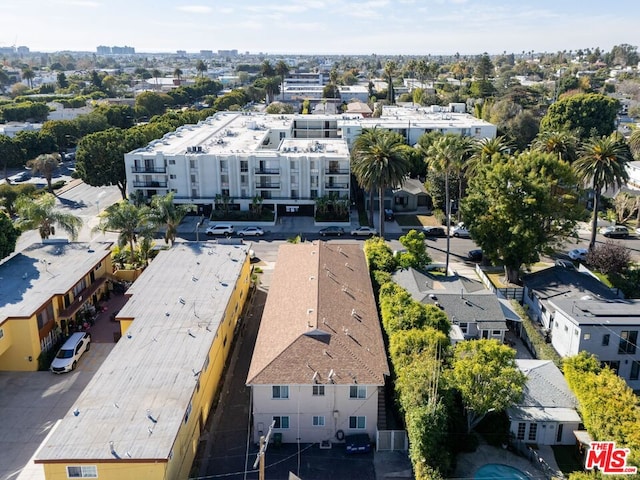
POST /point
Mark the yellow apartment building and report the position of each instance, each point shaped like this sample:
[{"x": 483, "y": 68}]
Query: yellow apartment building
[
  {"x": 45, "y": 289},
  {"x": 142, "y": 414}
]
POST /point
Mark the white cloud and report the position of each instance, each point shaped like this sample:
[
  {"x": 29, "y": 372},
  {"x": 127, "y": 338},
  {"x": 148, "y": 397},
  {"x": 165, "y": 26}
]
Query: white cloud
[
  {"x": 80, "y": 3},
  {"x": 195, "y": 9}
]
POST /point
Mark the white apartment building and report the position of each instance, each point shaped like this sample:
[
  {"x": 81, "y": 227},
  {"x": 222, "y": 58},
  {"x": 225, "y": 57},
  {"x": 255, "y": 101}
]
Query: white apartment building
[{"x": 287, "y": 160}]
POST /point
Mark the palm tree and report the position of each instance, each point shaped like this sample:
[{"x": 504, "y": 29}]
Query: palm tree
[
  {"x": 389, "y": 70},
  {"x": 165, "y": 213},
  {"x": 266, "y": 69},
  {"x": 379, "y": 159},
  {"x": 602, "y": 162},
  {"x": 562, "y": 144},
  {"x": 28, "y": 75},
  {"x": 282, "y": 69},
  {"x": 483, "y": 152},
  {"x": 46, "y": 164},
  {"x": 40, "y": 214},
  {"x": 634, "y": 142},
  {"x": 201, "y": 67},
  {"x": 177, "y": 73},
  {"x": 440, "y": 156},
  {"x": 156, "y": 74},
  {"x": 127, "y": 219}
]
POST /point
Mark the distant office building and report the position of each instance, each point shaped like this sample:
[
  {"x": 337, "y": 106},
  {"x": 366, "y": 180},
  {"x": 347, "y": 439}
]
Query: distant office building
[
  {"x": 103, "y": 50},
  {"x": 123, "y": 50},
  {"x": 22, "y": 50},
  {"x": 181, "y": 53},
  {"x": 228, "y": 53},
  {"x": 7, "y": 50},
  {"x": 206, "y": 53}
]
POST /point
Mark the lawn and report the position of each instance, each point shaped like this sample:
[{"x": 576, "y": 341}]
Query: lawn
[{"x": 412, "y": 220}]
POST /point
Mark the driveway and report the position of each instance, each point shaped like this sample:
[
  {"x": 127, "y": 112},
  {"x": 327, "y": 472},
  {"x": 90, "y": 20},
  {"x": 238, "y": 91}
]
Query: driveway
[{"x": 31, "y": 404}]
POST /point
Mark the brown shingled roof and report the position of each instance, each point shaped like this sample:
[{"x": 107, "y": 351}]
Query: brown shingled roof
[{"x": 320, "y": 316}]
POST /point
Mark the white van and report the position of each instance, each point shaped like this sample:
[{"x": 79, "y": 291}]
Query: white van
[{"x": 68, "y": 356}]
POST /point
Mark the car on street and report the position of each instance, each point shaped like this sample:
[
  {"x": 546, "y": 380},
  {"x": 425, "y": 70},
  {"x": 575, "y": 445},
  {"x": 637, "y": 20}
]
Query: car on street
[
  {"x": 67, "y": 357},
  {"x": 357, "y": 443},
  {"x": 434, "y": 232},
  {"x": 615, "y": 231},
  {"x": 251, "y": 232},
  {"x": 20, "y": 177},
  {"x": 460, "y": 230},
  {"x": 475, "y": 255},
  {"x": 389, "y": 215},
  {"x": 220, "y": 229},
  {"x": 578, "y": 254},
  {"x": 364, "y": 231},
  {"x": 331, "y": 231}
]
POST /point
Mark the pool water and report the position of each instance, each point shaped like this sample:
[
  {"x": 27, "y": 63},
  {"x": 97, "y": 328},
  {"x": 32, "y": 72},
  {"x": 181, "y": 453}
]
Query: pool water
[{"x": 496, "y": 471}]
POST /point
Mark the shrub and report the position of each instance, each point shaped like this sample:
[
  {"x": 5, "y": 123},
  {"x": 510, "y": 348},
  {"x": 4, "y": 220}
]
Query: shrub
[{"x": 609, "y": 257}]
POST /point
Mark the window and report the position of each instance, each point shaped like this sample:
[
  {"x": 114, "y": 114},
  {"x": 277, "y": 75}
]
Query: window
[
  {"x": 318, "y": 390},
  {"x": 281, "y": 422},
  {"x": 357, "y": 422},
  {"x": 82, "y": 471},
  {"x": 2, "y": 335},
  {"x": 533, "y": 432},
  {"x": 496, "y": 333},
  {"x": 280, "y": 391},
  {"x": 612, "y": 364},
  {"x": 172, "y": 176},
  {"x": 318, "y": 421},
  {"x": 521, "y": 428},
  {"x": 244, "y": 166},
  {"x": 188, "y": 412},
  {"x": 45, "y": 316},
  {"x": 605, "y": 339},
  {"x": 464, "y": 327},
  {"x": 628, "y": 339},
  {"x": 586, "y": 336},
  {"x": 635, "y": 369},
  {"x": 357, "y": 391},
  {"x": 172, "y": 162}
]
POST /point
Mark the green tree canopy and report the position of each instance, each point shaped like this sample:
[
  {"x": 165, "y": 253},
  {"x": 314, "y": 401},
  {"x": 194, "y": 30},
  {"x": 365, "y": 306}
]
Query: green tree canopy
[
  {"x": 486, "y": 375},
  {"x": 100, "y": 157},
  {"x": 517, "y": 208},
  {"x": 585, "y": 114},
  {"x": 46, "y": 164},
  {"x": 166, "y": 214},
  {"x": 9, "y": 235},
  {"x": 416, "y": 255}
]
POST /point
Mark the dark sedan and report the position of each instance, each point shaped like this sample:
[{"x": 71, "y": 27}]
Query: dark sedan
[
  {"x": 331, "y": 232},
  {"x": 433, "y": 232},
  {"x": 475, "y": 255}
]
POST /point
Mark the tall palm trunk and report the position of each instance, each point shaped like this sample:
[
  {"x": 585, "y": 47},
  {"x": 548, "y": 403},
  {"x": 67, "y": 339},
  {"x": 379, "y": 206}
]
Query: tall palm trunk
[
  {"x": 594, "y": 218},
  {"x": 381, "y": 207},
  {"x": 447, "y": 209},
  {"x": 372, "y": 192}
]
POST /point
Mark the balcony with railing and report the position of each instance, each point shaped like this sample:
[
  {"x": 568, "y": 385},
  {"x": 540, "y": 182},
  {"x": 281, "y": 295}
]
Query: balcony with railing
[
  {"x": 148, "y": 169},
  {"x": 336, "y": 185},
  {"x": 267, "y": 185},
  {"x": 150, "y": 184},
  {"x": 267, "y": 171},
  {"x": 337, "y": 171}
]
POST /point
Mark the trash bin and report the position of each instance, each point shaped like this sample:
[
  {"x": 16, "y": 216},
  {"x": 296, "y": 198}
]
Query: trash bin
[{"x": 277, "y": 439}]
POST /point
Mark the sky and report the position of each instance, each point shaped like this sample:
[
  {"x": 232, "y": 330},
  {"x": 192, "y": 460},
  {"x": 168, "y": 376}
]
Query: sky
[{"x": 339, "y": 27}]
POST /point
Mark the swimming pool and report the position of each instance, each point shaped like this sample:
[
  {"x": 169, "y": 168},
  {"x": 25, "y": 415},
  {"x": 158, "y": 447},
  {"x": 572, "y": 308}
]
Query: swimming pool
[{"x": 497, "y": 471}]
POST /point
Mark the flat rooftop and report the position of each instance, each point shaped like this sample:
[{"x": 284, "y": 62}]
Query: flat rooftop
[
  {"x": 31, "y": 277},
  {"x": 135, "y": 404},
  {"x": 600, "y": 312}
]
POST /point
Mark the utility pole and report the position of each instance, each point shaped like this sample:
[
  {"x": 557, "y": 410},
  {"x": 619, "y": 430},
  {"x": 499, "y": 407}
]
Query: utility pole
[{"x": 264, "y": 443}]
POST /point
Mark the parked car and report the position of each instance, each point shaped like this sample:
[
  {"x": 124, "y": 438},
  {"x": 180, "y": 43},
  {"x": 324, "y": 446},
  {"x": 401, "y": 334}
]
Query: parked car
[
  {"x": 332, "y": 231},
  {"x": 358, "y": 443},
  {"x": 434, "y": 232},
  {"x": 364, "y": 232},
  {"x": 578, "y": 254},
  {"x": 20, "y": 177},
  {"x": 615, "y": 231},
  {"x": 460, "y": 230},
  {"x": 220, "y": 229},
  {"x": 475, "y": 255},
  {"x": 67, "y": 357},
  {"x": 389, "y": 215},
  {"x": 251, "y": 232}
]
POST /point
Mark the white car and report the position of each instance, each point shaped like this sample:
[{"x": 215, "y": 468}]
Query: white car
[
  {"x": 460, "y": 231},
  {"x": 578, "y": 254},
  {"x": 69, "y": 354},
  {"x": 251, "y": 232},
  {"x": 220, "y": 229},
  {"x": 364, "y": 232}
]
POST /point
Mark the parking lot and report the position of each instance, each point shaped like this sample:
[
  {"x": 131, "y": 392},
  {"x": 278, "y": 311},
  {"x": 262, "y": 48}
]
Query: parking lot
[{"x": 32, "y": 403}]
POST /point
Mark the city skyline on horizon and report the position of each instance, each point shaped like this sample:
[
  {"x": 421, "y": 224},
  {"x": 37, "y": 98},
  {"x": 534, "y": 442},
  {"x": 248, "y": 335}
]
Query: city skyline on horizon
[{"x": 319, "y": 27}]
